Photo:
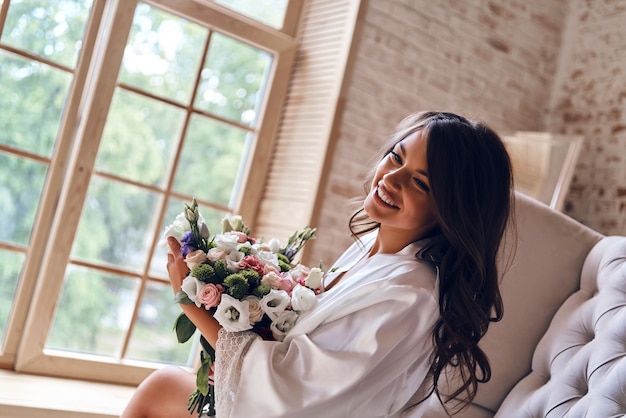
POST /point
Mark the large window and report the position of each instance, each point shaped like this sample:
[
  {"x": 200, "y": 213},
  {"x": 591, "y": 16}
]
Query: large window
[{"x": 114, "y": 113}]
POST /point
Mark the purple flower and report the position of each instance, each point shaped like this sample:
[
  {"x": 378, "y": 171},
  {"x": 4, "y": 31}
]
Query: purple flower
[{"x": 186, "y": 246}]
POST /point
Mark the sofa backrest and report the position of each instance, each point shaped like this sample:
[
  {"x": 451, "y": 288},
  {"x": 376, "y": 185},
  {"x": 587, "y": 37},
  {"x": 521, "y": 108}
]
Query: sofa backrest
[
  {"x": 548, "y": 250},
  {"x": 541, "y": 267},
  {"x": 579, "y": 366}
]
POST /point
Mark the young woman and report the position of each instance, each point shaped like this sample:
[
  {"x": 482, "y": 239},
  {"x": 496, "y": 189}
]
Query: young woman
[{"x": 404, "y": 306}]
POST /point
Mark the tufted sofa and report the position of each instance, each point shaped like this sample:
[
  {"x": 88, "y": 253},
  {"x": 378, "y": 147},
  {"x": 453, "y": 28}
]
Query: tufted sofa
[{"x": 560, "y": 350}]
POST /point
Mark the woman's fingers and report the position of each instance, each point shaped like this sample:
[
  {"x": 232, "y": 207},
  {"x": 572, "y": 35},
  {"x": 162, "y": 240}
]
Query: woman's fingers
[{"x": 176, "y": 266}]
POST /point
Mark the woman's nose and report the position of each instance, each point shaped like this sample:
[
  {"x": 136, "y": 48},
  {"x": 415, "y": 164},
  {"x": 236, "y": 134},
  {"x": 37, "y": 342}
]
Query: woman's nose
[{"x": 392, "y": 179}]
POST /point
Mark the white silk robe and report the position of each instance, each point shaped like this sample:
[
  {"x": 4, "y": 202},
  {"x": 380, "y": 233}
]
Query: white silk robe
[{"x": 363, "y": 351}]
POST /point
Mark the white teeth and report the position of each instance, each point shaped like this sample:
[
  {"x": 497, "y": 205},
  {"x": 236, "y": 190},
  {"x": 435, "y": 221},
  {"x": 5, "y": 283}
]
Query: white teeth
[{"x": 384, "y": 197}]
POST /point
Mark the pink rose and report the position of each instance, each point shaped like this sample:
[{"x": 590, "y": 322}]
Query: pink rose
[
  {"x": 271, "y": 279},
  {"x": 210, "y": 295},
  {"x": 195, "y": 258},
  {"x": 241, "y": 237},
  {"x": 286, "y": 284},
  {"x": 251, "y": 262},
  {"x": 268, "y": 268}
]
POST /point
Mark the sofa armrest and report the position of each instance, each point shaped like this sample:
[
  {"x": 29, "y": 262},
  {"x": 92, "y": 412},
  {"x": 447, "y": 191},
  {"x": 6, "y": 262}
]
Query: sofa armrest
[{"x": 579, "y": 366}]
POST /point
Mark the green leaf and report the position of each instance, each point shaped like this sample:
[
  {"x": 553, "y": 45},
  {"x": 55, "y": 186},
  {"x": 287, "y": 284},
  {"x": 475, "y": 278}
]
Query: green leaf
[
  {"x": 202, "y": 378},
  {"x": 184, "y": 328},
  {"x": 210, "y": 351},
  {"x": 181, "y": 297}
]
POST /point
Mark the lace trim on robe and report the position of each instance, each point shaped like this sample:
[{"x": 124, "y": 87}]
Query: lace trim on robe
[{"x": 231, "y": 347}]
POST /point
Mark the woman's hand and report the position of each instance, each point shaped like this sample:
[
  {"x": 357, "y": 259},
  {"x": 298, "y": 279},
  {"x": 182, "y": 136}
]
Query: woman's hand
[
  {"x": 176, "y": 266},
  {"x": 178, "y": 270}
]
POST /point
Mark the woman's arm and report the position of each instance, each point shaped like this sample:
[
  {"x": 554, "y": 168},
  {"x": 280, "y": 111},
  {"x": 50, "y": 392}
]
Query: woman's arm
[{"x": 178, "y": 270}]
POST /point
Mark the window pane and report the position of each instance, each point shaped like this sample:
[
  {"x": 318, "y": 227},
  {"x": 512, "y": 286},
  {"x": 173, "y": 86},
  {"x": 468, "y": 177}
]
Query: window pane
[
  {"x": 270, "y": 12},
  {"x": 21, "y": 183},
  {"x": 213, "y": 219},
  {"x": 94, "y": 312},
  {"x": 233, "y": 79},
  {"x": 10, "y": 269},
  {"x": 153, "y": 337},
  {"x": 52, "y": 29},
  {"x": 116, "y": 225},
  {"x": 32, "y": 96},
  {"x": 139, "y": 138},
  {"x": 163, "y": 54},
  {"x": 210, "y": 161}
]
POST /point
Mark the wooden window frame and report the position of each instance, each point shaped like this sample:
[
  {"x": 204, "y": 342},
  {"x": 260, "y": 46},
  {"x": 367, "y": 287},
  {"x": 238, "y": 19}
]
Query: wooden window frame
[{"x": 72, "y": 165}]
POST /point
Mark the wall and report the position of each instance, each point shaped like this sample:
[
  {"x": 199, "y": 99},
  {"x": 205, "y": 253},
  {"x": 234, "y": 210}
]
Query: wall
[
  {"x": 590, "y": 100},
  {"x": 491, "y": 60}
]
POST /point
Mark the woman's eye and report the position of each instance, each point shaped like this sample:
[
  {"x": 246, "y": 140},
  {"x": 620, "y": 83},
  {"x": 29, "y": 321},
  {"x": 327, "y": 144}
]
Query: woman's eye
[
  {"x": 396, "y": 157},
  {"x": 421, "y": 184}
]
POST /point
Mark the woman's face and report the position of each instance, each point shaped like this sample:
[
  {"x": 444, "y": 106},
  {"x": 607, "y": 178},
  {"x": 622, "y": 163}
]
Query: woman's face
[{"x": 400, "y": 198}]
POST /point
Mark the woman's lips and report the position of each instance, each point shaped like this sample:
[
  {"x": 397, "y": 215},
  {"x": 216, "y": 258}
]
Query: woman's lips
[{"x": 380, "y": 192}]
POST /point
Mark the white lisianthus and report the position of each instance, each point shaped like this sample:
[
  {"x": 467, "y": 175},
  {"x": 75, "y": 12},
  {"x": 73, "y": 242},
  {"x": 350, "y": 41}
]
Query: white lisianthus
[
  {"x": 192, "y": 287},
  {"x": 298, "y": 272},
  {"x": 275, "y": 302},
  {"x": 246, "y": 246},
  {"x": 283, "y": 323},
  {"x": 176, "y": 229},
  {"x": 194, "y": 258},
  {"x": 314, "y": 279},
  {"x": 267, "y": 258},
  {"x": 227, "y": 242},
  {"x": 256, "y": 313},
  {"x": 302, "y": 298},
  {"x": 233, "y": 314},
  {"x": 232, "y": 261},
  {"x": 274, "y": 245}
]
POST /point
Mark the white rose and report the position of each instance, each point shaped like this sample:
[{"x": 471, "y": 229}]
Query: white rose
[
  {"x": 275, "y": 302},
  {"x": 271, "y": 279},
  {"x": 215, "y": 254},
  {"x": 233, "y": 314},
  {"x": 283, "y": 323},
  {"x": 256, "y": 313},
  {"x": 195, "y": 258},
  {"x": 314, "y": 279},
  {"x": 302, "y": 298}
]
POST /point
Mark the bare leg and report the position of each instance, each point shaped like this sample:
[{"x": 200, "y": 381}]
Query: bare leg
[{"x": 163, "y": 394}]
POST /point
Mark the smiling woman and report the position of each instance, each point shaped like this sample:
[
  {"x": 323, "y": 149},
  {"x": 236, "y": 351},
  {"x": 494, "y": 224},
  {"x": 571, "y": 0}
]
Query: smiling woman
[{"x": 406, "y": 304}]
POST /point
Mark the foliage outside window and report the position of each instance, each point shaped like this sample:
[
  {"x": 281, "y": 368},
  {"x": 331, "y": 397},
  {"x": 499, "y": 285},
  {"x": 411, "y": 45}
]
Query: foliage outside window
[{"x": 185, "y": 115}]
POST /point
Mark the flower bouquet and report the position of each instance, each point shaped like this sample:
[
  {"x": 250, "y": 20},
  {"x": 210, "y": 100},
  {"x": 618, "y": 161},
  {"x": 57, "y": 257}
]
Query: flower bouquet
[{"x": 246, "y": 283}]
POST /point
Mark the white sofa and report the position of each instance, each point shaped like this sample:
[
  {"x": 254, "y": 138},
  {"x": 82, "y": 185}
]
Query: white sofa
[{"x": 560, "y": 350}]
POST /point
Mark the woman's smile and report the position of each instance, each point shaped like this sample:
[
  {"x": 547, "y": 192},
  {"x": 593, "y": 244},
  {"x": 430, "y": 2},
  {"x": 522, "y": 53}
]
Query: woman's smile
[{"x": 380, "y": 192}]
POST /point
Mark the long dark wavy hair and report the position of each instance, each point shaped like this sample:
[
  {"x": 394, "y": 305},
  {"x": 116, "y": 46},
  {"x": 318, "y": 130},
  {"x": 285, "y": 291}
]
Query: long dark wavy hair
[{"x": 471, "y": 184}]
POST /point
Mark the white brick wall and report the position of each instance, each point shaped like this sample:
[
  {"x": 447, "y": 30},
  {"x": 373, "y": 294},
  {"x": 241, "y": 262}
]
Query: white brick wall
[{"x": 590, "y": 100}]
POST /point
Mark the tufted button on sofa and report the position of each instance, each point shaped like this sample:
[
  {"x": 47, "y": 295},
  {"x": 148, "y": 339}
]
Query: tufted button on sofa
[{"x": 560, "y": 350}]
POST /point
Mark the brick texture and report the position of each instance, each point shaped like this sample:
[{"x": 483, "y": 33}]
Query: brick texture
[
  {"x": 590, "y": 100},
  {"x": 491, "y": 60}
]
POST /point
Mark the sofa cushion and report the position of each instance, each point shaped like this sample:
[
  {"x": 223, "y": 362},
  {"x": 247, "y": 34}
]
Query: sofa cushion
[{"x": 579, "y": 366}]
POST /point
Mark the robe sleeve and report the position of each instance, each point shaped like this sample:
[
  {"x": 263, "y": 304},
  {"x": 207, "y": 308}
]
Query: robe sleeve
[{"x": 367, "y": 359}]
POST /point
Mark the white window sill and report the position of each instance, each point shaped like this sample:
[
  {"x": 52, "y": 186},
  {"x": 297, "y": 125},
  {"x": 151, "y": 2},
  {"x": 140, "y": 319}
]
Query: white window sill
[{"x": 31, "y": 396}]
